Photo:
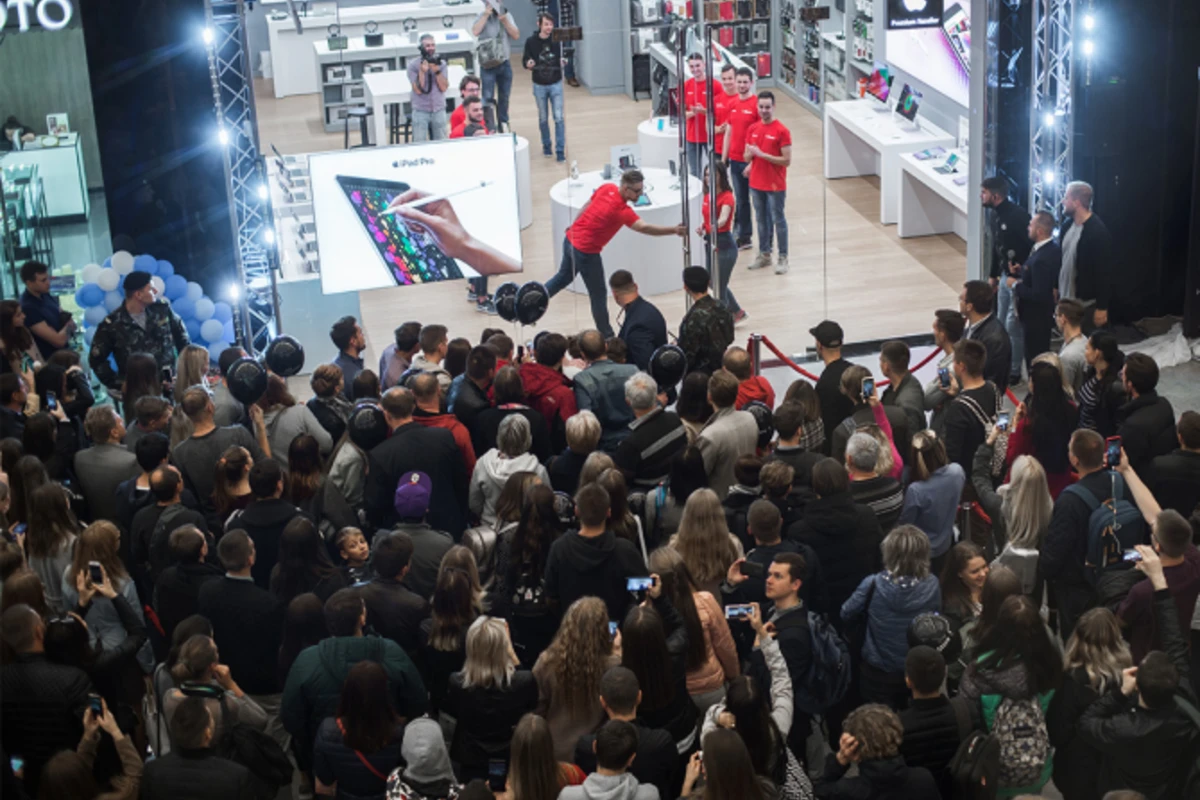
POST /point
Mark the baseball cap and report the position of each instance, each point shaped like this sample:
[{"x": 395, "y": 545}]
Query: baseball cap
[
  {"x": 412, "y": 495},
  {"x": 136, "y": 280},
  {"x": 828, "y": 333},
  {"x": 695, "y": 279}
]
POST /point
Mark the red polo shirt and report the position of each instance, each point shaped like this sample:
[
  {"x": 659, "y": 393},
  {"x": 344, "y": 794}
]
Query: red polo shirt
[
  {"x": 740, "y": 114},
  {"x": 764, "y": 176},
  {"x": 694, "y": 94},
  {"x": 601, "y": 220},
  {"x": 458, "y": 116}
]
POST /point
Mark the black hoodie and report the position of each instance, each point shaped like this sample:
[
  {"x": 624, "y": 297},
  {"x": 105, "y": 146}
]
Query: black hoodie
[
  {"x": 578, "y": 566},
  {"x": 264, "y": 521},
  {"x": 879, "y": 779}
]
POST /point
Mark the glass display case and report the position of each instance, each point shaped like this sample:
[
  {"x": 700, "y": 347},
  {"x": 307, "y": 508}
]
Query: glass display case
[{"x": 24, "y": 233}]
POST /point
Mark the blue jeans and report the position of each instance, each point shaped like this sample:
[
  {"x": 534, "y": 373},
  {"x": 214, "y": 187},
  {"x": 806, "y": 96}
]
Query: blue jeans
[
  {"x": 697, "y": 153},
  {"x": 741, "y": 191},
  {"x": 727, "y": 255},
  {"x": 591, "y": 268},
  {"x": 768, "y": 207},
  {"x": 549, "y": 100},
  {"x": 1006, "y": 313},
  {"x": 429, "y": 126},
  {"x": 498, "y": 78}
]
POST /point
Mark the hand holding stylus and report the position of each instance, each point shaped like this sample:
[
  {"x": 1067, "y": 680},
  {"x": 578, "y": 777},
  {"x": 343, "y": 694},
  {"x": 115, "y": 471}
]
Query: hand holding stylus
[{"x": 439, "y": 220}]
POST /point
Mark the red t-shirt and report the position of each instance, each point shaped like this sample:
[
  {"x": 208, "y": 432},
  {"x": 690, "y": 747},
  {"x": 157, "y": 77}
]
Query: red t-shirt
[
  {"x": 601, "y": 220},
  {"x": 740, "y": 114},
  {"x": 458, "y": 116},
  {"x": 459, "y": 131},
  {"x": 764, "y": 176},
  {"x": 723, "y": 199},
  {"x": 694, "y": 95},
  {"x": 721, "y": 101}
]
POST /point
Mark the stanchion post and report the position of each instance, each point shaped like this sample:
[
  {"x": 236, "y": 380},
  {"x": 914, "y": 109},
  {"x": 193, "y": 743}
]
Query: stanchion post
[
  {"x": 681, "y": 126},
  {"x": 756, "y": 352},
  {"x": 710, "y": 119}
]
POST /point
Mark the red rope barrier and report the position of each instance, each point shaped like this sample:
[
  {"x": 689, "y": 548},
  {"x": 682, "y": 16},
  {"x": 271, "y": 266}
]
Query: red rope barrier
[{"x": 771, "y": 346}]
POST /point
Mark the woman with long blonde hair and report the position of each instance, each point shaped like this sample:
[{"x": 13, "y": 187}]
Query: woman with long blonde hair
[
  {"x": 568, "y": 673},
  {"x": 191, "y": 369},
  {"x": 1025, "y": 508},
  {"x": 1096, "y": 656},
  {"x": 704, "y": 540}
]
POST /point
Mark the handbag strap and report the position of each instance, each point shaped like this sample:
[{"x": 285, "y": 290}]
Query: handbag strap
[{"x": 370, "y": 767}]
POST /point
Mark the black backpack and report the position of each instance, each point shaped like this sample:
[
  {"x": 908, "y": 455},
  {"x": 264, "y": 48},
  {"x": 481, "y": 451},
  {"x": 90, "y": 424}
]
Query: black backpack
[
  {"x": 269, "y": 766},
  {"x": 975, "y": 769}
]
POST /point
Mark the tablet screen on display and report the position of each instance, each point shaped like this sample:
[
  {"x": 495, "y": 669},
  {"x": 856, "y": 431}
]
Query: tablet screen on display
[
  {"x": 909, "y": 102},
  {"x": 410, "y": 257}
]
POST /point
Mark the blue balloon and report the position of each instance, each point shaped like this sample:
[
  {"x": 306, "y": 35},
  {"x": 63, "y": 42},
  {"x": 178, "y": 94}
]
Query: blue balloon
[
  {"x": 165, "y": 269},
  {"x": 222, "y": 311},
  {"x": 211, "y": 331},
  {"x": 112, "y": 300},
  {"x": 88, "y": 335},
  {"x": 145, "y": 263},
  {"x": 175, "y": 286},
  {"x": 193, "y": 329},
  {"x": 107, "y": 262},
  {"x": 89, "y": 295},
  {"x": 95, "y": 315},
  {"x": 228, "y": 334},
  {"x": 186, "y": 309}
]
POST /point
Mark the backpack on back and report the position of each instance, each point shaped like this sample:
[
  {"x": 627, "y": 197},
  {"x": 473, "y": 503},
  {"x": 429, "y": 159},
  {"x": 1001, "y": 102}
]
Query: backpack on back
[
  {"x": 1114, "y": 526},
  {"x": 975, "y": 769},
  {"x": 828, "y": 677},
  {"x": 1019, "y": 728}
]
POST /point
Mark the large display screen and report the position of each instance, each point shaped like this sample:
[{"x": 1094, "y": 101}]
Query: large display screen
[
  {"x": 938, "y": 57},
  {"x": 458, "y": 218}
]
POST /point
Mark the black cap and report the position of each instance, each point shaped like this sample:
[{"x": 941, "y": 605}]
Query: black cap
[
  {"x": 695, "y": 279},
  {"x": 828, "y": 333},
  {"x": 136, "y": 280}
]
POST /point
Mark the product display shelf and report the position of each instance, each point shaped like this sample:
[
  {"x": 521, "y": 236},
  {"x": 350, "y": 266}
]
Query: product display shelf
[
  {"x": 645, "y": 22},
  {"x": 340, "y": 75},
  {"x": 750, "y": 37},
  {"x": 861, "y": 51},
  {"x": 24, "y": 232},
  {"x": 833, "y": 66}
]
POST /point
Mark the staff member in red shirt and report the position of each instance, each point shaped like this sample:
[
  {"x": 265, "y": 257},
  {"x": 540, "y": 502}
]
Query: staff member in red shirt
[
  {"x": 468, "y": 87},
  {"x": 769, "y": 151},
  {"x": 473, "y": 123},
  {"x": 741, "y": 111},
  {"x": 727, "y": 251},
  {"x": 695, "y": 104},
  {"x": 598, "y": 222},
  {"x": 721, "y": 99}
]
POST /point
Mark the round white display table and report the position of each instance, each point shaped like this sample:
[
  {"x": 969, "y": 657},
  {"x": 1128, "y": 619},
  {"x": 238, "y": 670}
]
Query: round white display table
[
  {"x": 655, "y": 261},
  {"x": 524, "y": 183},
  {"x": 658, "y": 146}
]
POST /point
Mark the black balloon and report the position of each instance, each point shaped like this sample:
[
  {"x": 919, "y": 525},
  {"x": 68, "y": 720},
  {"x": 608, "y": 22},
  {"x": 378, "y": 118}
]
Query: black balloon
[
  {"x": 532, "y": 302},
  {"x": 765, "y": 420},
  {"x": 505, "y": 298},
  {"x": 367, "y": 426},
  {"x": 285, "y": 356},
  {"x": 247, "y": 380},
  {"x": 668, "y": 365}
]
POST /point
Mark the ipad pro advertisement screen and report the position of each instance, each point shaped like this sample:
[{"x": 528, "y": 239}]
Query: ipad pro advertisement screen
[
  {"x": 938, "y": 57},
  {"x": 415, "y": 214}
]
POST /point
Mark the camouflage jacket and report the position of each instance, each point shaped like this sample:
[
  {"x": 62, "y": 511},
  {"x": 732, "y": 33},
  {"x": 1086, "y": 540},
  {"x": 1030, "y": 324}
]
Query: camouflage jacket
[
  {"x": 119, "y": 336},
  {"x": 704, "y": 334}
]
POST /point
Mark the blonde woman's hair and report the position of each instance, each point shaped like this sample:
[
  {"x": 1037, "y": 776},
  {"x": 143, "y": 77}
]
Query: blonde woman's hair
[
  {"x": 1098, "y": 648},
  {"x": 703, "y": 538},
  {"x": 489, "y": 655},
  {"x": 1027, "y": 505},
  {"x": 579, "y": 655},
  {"x": 100, "y": 541},
  {"x": 196, "y": 655},
  {"x": 190, "y": 370},
  {"x": 593, "y": 465}
]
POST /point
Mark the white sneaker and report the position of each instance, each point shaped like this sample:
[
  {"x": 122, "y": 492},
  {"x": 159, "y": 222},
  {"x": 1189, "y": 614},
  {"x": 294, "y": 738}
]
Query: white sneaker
[
  {"x": 763, "y": 261},
  {"x": 781, "y": 266}
]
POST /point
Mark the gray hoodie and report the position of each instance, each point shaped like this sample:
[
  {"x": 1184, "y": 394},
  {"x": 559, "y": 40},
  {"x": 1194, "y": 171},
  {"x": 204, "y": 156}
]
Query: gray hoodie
[
  {"x": 492, "y": 471},
  {"x": 610, "y": 787},
  {"x": 285, "y": 424}
]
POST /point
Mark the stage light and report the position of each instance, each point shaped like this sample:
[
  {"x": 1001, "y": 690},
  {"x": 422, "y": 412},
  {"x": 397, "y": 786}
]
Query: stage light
[
  {"x": 1048, "y": 120},
  {"x": 269, "y": 236},
  {"x": 1089, "y": 47},
  {"x": 208, "y": 36},
  {"x": 1048, "y": 177},
  {"x": 235, "y": 292},
  {"x": 223, "y": 137},
  {"x": 262, "y": 191},
  {"x": 1089, "y": 22}
]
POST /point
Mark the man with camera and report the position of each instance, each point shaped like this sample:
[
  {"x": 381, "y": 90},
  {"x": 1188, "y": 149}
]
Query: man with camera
[{"x": 428, "y": 76}]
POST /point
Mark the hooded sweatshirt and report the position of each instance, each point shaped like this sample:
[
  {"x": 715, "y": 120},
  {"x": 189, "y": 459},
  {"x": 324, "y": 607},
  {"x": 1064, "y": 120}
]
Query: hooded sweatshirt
[
  {"x": 286, "y": 423},
  {"x": 425, "y": 365},
  {"x": 264, "y": 521},
  {"x": 553, "y": 395},
  {"x": 609, "y": 787},
  {"x": 492, "y": 471},
  {"x": 755, "y": 388},
  {"x": 593, "y": 565},
  {"x": 462, "y": 437}
]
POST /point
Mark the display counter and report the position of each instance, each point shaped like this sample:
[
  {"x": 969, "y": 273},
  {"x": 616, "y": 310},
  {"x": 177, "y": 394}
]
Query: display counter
[
  {"x": 932, "y": 202},
  {"x": 655, "y": 261},
  {"x": 60, "y": 168},
  {"x": 292, "y": 53},
  {"x": 659, "y": 140}
]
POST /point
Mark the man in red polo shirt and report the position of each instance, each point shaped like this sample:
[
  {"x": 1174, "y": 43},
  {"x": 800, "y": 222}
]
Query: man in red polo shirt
[
  {"x": 769, "y": 151},
  {"x": 722, "y": 97},
  {"x": 468, "y": 87},
  {"x": 741, "y": 111},
  {"x": 599, "y": 221},
  {"x": 695, "y": 104},
  {"x": 473, "y": 123}
]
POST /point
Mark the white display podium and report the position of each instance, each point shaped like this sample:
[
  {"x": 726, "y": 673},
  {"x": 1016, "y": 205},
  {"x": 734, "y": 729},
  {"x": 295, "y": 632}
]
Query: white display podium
[
  {"x": 292, "y": 53},
  {"x": 859, "y": 140},
  {"x": 655, "y": 261},
  {"x": 385, "y": 88},
  {"x": 64, "y": 181},
  {"x": 930, "y": 202},
  {"x": 658, "y": 146}
]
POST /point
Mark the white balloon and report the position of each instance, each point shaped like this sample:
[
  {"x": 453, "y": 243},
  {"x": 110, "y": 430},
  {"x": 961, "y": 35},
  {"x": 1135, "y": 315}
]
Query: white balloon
[
  {"x": 122, "y": 262},
  {"x": 204, "y": 309},
  {"x": 211, "y": 331},
  {"x": 108, "y": 279},
  {"x": 159, "y": 286},
  {"x": 194, "y": 291},
  {"x": 89, "y": 273}
]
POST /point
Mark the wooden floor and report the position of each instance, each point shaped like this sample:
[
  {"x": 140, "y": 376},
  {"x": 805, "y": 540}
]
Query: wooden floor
[{"x": 845, "y": 265}]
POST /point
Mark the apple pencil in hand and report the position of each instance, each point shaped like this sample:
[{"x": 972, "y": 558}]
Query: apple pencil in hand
[{"x": 433, "y": 198}]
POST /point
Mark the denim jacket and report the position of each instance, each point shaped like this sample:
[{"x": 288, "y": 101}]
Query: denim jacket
[{"x": 892, "y": 606}]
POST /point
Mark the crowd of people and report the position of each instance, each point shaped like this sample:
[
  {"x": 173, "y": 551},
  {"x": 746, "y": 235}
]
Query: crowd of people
[{"x": 481, "y": 572}]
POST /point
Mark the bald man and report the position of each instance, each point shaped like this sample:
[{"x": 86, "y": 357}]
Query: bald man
[
  {"x": 427, "y": 392},
  {"x": 751, "y": 387}
]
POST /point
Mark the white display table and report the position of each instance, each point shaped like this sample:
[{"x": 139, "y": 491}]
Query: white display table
[
  {"x": 524, "y": 183},
  {"x": 658, "y": 146},
  {"x": 655, "y": 261},
  {"x": 64, "y": 181},
  {"x": 386, "y": 88},
  {"x": 931, "y": 202},
  {"x": 292, "y": 53},
  {"x": 862, "y": 141}
]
